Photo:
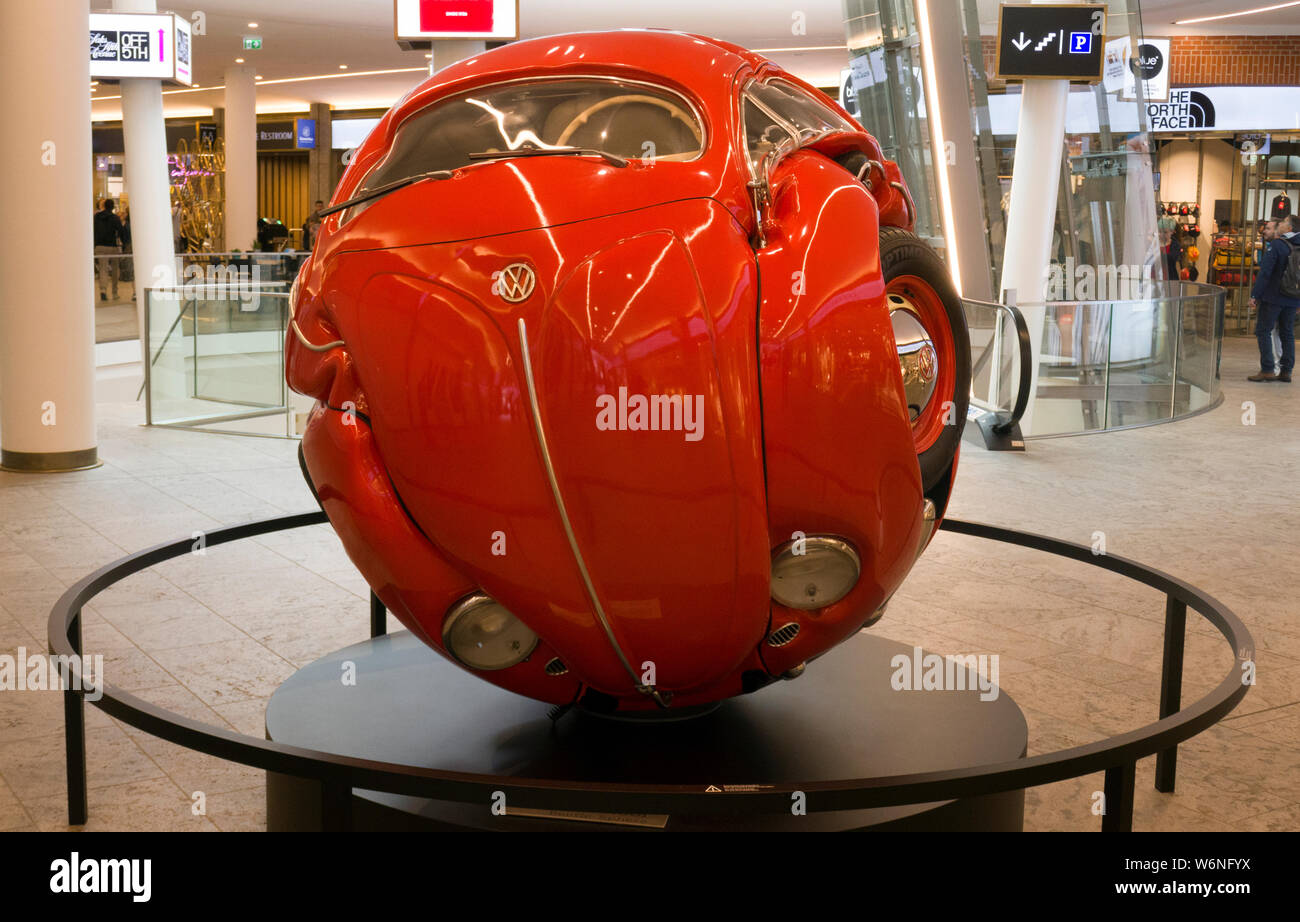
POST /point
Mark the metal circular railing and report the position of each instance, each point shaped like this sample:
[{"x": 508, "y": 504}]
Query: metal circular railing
[{"x": 339, "y": 775}]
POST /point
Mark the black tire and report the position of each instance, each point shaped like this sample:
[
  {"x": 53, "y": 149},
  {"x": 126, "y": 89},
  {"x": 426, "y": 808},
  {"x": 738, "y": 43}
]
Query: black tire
[{"x": 903, "y": 253}]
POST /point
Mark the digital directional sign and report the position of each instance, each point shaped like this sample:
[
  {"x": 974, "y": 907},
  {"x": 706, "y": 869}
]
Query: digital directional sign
[
  {"x": 1051, "y": 41},
  {"x": 417, "y": 23}
]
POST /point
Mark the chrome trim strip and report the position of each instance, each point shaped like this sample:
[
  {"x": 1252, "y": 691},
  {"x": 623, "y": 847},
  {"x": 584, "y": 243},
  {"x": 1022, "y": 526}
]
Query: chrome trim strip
[
  {"x": 564, "y": 519},
  {"x": 293, "y": 325}
]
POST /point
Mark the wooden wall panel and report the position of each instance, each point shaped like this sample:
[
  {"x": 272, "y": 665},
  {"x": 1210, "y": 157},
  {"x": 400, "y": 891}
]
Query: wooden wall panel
[{"x": 282, "y": 187}]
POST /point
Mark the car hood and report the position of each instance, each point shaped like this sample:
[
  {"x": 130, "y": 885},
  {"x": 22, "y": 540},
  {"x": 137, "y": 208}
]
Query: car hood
[{"x": 591, "y": 454}]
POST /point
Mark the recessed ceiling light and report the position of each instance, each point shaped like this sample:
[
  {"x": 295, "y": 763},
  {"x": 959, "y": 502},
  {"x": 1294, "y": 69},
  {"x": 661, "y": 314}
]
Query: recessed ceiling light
[
  {"x": 428, "y": 57},
  {"x": 252, "y": 25},
  {"x": 343, "y": 67},
  {"x": 1258, "y": 9},
  {"x": 258, "y": 77},
  {"x": 239, "y": 60}
]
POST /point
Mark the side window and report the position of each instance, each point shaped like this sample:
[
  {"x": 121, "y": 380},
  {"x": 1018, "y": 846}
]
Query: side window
[
  {"x": 763, "y": 134},
  {"x": 802, "y": 111}
]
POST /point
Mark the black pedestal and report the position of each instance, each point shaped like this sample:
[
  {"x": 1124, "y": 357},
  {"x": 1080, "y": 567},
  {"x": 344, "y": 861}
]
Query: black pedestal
[{"x": 840, "y": 720}]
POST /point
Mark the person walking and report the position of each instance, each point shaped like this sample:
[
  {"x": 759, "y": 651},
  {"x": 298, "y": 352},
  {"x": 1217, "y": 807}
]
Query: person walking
[
  {"x": 109, "y": 239},
  {"x": 1276, "y": 302}
]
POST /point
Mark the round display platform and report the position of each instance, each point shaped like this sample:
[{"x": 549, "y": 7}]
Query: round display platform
[{"x": 840, "y": 720}]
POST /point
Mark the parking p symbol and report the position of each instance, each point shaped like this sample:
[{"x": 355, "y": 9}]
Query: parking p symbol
[{"x": 1080, "y": 42}]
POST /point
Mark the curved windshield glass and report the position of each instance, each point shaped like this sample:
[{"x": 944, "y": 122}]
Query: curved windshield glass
[{"x": 628, "y": 120}]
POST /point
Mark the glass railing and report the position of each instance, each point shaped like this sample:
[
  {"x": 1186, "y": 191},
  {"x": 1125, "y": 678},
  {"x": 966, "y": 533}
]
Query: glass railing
[
  {"x": 116, "y": 288},
  {"x": 216, "y": 358},
  {"x": 1106, "y": 364}
]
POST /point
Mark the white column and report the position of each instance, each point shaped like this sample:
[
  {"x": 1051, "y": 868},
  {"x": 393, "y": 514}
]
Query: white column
[
  {"x": 451, "y": 50},
  {"x": 148, "y": 187},
  {"x": 1031, "y": 212},
  {"x": 47, "y": 319},
  {"x": 241, "y": 157},
  {"x": 956, "y": 163}
]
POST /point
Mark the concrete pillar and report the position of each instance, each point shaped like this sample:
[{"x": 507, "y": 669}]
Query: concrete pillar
[
  {"x": 953, "y": 143},
  {"x": 1031, "y": 212},
  {"x": 47, "y": 319},
  {"x": 449, "y": 51},
  {"x": 240, "y": 124},
  {"x": 148, "y": 186},
  {"x": 320, "y": 181}
]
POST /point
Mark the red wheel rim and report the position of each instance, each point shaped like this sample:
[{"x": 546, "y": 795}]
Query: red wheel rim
[{"x": 914, "y": 294}]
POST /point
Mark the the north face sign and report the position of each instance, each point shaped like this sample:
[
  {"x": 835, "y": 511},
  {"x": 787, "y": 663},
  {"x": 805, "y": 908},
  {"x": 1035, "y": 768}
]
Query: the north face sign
[{"x": 1185, "y": 109}]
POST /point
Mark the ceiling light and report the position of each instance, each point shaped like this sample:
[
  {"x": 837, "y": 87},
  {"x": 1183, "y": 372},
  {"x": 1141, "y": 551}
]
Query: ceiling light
[
  {"x": 343, "y": 67},
  {"x": 239, "y": 60},
  {"x": 428, "y": 57},
  {"x": 811, "y": 47},
  {"x": 252, "y": 25},
  {"x": 258, "y": 77},
  {"x": 1258, "y": 9}
]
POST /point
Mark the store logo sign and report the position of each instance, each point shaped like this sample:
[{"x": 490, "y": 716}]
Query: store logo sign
[
  {"x": 103, "y": 46},
  {"x": 1185, "y": 109},
  {"x": 1149, "y": 61},
  {"x": 110, "y": 45}
]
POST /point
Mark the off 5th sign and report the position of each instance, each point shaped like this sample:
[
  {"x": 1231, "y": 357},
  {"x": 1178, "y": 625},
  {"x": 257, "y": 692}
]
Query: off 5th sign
[{"x": 1051, "y": 42}]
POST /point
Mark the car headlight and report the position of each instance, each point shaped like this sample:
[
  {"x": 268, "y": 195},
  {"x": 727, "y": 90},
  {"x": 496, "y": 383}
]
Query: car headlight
[
  {"x": 482, "y": 634},
  {"x": 814, "y": 571}
]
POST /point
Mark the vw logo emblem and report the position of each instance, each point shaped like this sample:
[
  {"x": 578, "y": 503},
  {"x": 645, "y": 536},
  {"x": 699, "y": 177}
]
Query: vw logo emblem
[
  {"x": 516, "y": 282},
  {"x": 928, "y": 364}
]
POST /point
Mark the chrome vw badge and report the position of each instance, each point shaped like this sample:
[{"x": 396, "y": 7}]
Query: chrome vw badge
[{"x": 515, "y": 283}]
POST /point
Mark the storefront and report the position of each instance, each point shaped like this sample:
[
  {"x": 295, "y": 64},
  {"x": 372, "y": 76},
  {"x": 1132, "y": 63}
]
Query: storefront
[{"x": 1228, "y": 159}]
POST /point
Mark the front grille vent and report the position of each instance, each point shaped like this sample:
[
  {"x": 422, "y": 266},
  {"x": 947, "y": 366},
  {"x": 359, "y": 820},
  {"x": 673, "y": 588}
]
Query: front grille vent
[
  {"x": 556, "y": 667},
  {"x": 783, "y": 635}
]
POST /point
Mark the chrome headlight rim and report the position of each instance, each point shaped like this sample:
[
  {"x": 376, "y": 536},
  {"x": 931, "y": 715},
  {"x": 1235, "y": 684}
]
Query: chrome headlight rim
[
  {"x": 467, "y": 607},
  {"x": 834, "y": 544}
]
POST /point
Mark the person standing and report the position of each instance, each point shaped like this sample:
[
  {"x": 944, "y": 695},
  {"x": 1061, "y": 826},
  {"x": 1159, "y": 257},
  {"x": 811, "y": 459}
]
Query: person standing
[
  {"x": 110, "y": 236},
  {"x": 1277, "y": 308},
  {"x": 1171, "y": 247}
]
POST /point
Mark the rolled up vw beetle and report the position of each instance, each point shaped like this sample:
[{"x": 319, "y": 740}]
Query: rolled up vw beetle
[{"x": 635, "y": 389}]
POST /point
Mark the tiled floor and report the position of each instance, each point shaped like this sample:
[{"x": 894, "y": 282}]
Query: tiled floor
[{"x": 1209, "y": 499}]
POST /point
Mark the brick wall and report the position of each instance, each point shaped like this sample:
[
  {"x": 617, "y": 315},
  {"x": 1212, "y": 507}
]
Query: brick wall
[
  {"x": 1235, "y": 60},
  {"x": 1217, "y": 60}
]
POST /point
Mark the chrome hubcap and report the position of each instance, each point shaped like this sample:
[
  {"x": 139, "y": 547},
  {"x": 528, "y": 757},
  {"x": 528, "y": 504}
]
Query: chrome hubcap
[{"x": 917, "y": 358}]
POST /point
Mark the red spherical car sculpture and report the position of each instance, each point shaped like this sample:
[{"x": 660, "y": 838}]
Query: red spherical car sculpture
[{"x": 635, "y": 388}]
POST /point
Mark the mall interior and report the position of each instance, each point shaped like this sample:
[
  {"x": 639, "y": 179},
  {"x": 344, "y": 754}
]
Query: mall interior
[{"x": 335, "y": 421}]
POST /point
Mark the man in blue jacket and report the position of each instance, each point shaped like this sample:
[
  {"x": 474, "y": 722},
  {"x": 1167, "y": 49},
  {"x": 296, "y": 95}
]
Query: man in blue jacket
[{"x": 1276, "y": 309}]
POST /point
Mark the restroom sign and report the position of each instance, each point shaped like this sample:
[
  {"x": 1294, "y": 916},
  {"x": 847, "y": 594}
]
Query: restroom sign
[{"x": 1051, "y": 42}]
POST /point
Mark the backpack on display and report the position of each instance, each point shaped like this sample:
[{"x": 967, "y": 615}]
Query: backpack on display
[{"x": 1290, "y": 283}]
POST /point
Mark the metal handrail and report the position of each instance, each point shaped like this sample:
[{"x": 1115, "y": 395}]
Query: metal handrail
[
  {"x": 1007, "y": 422},
  {"x": 339, "y": 775}
]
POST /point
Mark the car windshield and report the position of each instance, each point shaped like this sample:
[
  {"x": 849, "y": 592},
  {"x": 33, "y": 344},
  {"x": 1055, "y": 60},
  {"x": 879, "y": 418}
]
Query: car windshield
[{"x": 628, "y": 120}]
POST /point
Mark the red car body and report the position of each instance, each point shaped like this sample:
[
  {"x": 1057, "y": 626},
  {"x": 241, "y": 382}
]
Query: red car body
[{"x": 457, "y": 444}]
